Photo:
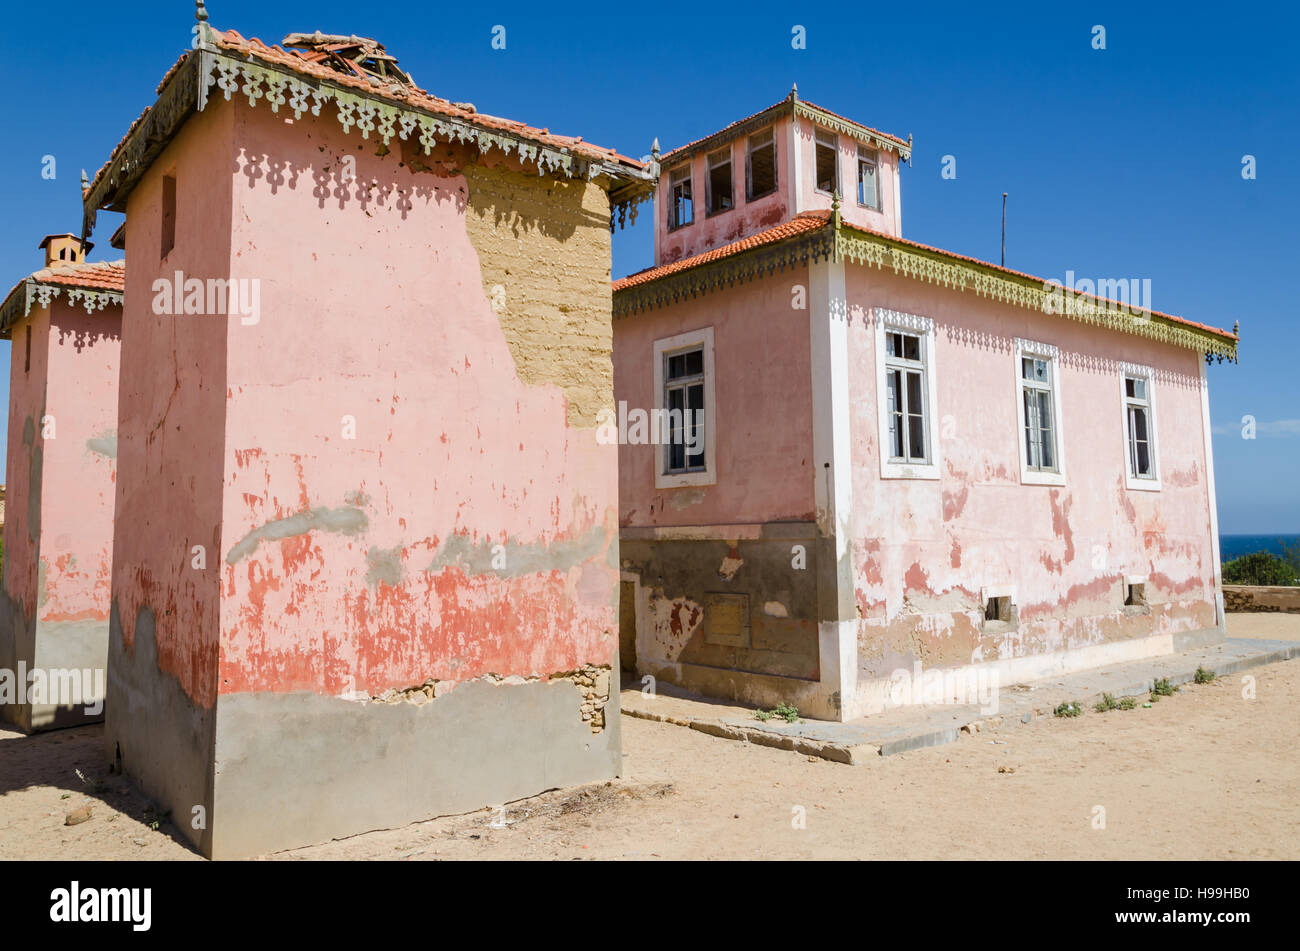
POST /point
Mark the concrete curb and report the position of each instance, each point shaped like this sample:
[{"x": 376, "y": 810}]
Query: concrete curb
[{"x": 815, "y": 739}]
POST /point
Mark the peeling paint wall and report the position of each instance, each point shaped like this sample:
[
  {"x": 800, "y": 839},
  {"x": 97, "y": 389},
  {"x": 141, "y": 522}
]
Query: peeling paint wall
[
  {"x": 924, "y": 549},
  {"x": 740, "y": 552},
  {"x": 399, "y": 481},
  {"x": 61, "y": 478},
  {"x": 764, "y": 411}
]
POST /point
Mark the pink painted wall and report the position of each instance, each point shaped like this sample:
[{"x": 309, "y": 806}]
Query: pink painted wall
[
  {"x": 748, "y": 217},
  {"x": 80, "y": 466},
  {"x": 171, "y": 431},
  {"x": 764, "y": 407},
  {"x": 928, "y": 546},
  {"x": 452, "y": 452},
  {"x": 24, "y": 457},
  {"x": 810, "y": 199}
]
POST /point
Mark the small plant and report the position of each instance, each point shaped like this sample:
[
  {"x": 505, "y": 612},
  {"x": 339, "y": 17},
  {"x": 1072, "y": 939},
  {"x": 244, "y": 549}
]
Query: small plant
[
  {"x": 786, "y": 711},
  {"x": 1128, "y": 703},
  {"x": 1163, "y": 688},
  {"x": 1203, "y": 676},
  {"x": 1107, "y": 703},
  {"x": 1071, "y": 708}
]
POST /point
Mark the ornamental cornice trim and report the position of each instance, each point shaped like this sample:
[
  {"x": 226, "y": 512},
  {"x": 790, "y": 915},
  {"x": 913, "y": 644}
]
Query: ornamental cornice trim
[
  {"x": 725, "y": 272},
  {"x": 41, "y": 294},
  {"x": 881, "y": 252},
  {"x": 854, "y": 131},
  {"x": 212, "y": 72}
]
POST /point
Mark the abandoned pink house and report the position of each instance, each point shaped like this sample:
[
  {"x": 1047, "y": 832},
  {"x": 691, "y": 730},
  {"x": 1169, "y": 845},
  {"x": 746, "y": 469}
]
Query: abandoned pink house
[
  {"x": 64, "y": 322},
  {"x": 366, "y": 547},
  {"x": 887, "y": 455}
]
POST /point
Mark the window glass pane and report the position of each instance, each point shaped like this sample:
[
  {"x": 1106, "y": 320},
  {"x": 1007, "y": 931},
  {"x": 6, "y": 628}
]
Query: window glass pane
[
  {"x": 1044, "y": 419},
  {"x": 915, "y": 421},
  {"x": 676, "y": 366},
  {"x": 893, "y": 347},
  {"x": 911, "y": 347},
  {"x": 1031, "y": 429},
  {"x": 867, "y": 183},
  {"x": 895, "y": 415},
  {"x": 694, "y": 362}
]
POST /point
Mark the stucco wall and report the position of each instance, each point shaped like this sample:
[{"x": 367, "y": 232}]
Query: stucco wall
[
  {"x": 62, "y": 465},
  {"x": 737, "y": 537},
  {"x": 24, "y": 472},
  {"x": 764, "y": 411},
  {"x": 924, "y": 549},
  {"x": 399, "y": 487}
]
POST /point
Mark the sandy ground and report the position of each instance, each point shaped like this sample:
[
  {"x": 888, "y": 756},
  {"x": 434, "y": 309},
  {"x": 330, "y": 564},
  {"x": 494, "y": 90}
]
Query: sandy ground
[{"x": 1204, "y": 774}]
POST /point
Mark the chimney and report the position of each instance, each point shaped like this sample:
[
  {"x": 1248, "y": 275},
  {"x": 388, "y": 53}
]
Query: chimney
[{"x": 65, "y": 249}]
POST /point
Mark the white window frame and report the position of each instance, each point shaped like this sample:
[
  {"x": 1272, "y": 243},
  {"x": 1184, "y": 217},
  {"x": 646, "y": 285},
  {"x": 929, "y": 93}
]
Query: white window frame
[
  {"x": 887, "y": 321},
  {"x": 1041, "y": 351},
  {"x": 869, "y": 157},
  {"x": 1149, "y": 483},
  {"x": 702, "y": 337}
]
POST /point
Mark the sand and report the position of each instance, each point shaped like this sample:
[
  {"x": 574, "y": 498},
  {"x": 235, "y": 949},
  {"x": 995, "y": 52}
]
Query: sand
[{"x": 1205, "y": 774}]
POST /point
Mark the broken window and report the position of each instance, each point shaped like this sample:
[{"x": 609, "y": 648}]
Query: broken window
[
  {"x": 168, "y": 214},
  {"x": 828, "y": 161},
  {"x": 906, "y": 410},
  {"x": 681, "y": 205},
  {"x": 761, "y": 165},
  {"x": 868, "y": 185},
  {"x": 1000, "y": 613},
  {"x": 1140, "y": 431},
  {"x": 1039, "y": 413},
  {"x": 684, "y": 402},
  {"x": 718, "y": 194}
]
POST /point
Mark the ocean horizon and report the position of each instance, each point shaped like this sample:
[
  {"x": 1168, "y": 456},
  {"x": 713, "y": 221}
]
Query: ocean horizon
[{"x": 1234, "y": 546}]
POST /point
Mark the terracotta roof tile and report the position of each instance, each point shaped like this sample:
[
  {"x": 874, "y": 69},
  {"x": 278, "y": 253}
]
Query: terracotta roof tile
[
  {"x": 299, "y": 61},
  {"x": 98, "y": 275},
  {"x": 799, "y": 224}
]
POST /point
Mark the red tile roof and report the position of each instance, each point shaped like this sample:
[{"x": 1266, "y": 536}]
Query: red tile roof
[
  {"x": 800, "y": 224},
  {"x": 93, "y": 275},
  {"x": 810, "y": 221},
  {"x": 96, "y": 275},
  {"x": 301, "y": 61}
]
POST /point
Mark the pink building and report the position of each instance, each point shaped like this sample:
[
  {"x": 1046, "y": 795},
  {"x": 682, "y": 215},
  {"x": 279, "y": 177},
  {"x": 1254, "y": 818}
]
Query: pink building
[
  {"x": 366, "y": 564},
  {"x": 64, "y": 323},
  {"x": 892, "y": 455}
]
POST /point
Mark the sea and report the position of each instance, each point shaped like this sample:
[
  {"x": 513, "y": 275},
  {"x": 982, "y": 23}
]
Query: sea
[{"x": 1234, "y": 546}]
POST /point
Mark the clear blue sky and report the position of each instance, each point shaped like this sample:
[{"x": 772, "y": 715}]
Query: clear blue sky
[{"x": 1119, "y": 162}]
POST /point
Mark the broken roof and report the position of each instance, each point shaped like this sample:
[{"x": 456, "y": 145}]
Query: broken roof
[
  {"x": 95, "y": 285},
  {"x": 372, "y": 95},
  {"x": 792, "y": 105},
  {"x": 814, "y": 235}
]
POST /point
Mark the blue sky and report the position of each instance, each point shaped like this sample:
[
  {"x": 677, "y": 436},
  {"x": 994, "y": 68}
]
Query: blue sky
[{"x": 1122, "y": 162}]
